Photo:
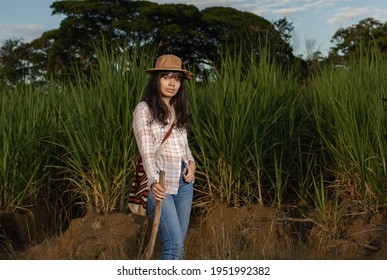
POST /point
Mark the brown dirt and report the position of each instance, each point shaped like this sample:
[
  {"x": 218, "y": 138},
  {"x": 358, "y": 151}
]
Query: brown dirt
[{"x": 250, "y": 232}]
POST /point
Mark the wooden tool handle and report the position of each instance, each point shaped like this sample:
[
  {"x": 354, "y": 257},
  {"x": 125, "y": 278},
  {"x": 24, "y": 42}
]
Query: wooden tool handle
[{"x": 156, "y": 221}]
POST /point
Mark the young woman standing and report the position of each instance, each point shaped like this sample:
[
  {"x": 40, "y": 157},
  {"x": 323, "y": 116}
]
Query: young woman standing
[{"x": 165, "y": 103}]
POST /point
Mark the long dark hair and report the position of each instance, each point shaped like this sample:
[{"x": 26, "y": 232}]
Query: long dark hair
[{"x": 160, "y": 111}]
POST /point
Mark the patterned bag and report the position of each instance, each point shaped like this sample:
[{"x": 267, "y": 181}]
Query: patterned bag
[{"x": 139, "y": 191}]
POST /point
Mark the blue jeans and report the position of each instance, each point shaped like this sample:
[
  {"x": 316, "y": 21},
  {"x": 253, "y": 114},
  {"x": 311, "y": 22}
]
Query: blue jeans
[{"x": 174, "y": 219}]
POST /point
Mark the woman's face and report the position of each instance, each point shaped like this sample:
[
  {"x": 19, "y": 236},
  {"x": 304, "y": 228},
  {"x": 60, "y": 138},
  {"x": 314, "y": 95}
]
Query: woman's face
[{"x": 170, "y": 84}]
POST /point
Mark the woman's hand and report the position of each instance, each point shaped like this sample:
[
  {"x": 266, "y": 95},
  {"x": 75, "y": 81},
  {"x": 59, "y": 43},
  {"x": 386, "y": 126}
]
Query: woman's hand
[
  {"x": 158, "y": 191},
  {"x": 189, "y": 172}
]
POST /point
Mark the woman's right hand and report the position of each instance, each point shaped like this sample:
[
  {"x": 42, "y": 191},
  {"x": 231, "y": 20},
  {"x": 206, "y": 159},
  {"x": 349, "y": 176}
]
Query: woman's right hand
[{"x": 158, "y": 191}]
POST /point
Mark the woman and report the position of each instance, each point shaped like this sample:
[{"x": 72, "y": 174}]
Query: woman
[{"x": 165, "y": 103}]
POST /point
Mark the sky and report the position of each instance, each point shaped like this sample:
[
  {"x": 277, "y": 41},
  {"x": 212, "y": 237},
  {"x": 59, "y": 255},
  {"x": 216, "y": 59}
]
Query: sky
[{"x": 314, "y": 21}]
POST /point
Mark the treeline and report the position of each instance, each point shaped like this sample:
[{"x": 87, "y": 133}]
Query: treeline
[
  {"x": 199, "y": 36},
  {"x": 182, "y": 29}
]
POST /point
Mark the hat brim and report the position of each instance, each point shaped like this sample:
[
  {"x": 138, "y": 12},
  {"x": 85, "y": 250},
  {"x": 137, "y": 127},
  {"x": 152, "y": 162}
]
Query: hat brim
[{"x": 187, "y": 74}]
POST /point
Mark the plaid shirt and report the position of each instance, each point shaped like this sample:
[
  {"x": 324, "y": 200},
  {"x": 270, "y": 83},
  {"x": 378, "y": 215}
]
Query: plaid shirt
[{"x": 149, "y": 135}]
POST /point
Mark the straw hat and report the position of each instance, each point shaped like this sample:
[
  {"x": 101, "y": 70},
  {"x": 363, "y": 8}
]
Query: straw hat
[{"x": 169, "y": 62}]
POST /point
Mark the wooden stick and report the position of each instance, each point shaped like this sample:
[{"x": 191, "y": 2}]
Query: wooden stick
[{"x": 156, "y": 221}]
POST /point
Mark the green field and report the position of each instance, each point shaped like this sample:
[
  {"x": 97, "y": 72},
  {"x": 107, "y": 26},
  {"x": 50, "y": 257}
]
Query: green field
[{"x": 259, "y": 135}]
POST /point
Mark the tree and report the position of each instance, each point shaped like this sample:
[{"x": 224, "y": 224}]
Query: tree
[
  {"x": 176, "y": 29},
  {"x": 14, "y": 63},
  {"x": 196, "y": 36},
  {"x": 168, "y": 28},
  {"x": 86, "y": 25},
  {"x": 285, "y": 28},
  {"x": 367, "y": 33},
  {"x": 232, "y": 29}
]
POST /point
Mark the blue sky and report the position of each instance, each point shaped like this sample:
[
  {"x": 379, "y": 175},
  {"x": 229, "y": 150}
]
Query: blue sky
[{"x": 314, "y": 20}]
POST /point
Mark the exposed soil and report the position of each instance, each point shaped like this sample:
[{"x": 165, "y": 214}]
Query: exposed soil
[{"x": 221, "y": 232}]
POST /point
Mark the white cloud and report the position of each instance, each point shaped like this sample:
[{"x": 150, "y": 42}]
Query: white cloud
[
  {"x": 380, "y": 14},
  {"x": 346, "y": 14},
  {"x": 290, "y": 10},
  {"x": 200, "y": 4},
  {"x": 351, "y": 15},
  {"x": 26, "y": 31},
  {"x": 265, "y": 8}
]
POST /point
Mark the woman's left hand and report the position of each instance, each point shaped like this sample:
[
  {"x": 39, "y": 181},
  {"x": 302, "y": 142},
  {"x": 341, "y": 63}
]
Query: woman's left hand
[{"x": 189, "y": 172}]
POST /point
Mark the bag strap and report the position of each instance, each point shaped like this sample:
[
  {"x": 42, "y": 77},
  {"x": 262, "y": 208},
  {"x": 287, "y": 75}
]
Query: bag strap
[
  {"x": 159, "y": 150},
  {"x": 169, "y": 132},
  {"x": 173, "y": 116}
]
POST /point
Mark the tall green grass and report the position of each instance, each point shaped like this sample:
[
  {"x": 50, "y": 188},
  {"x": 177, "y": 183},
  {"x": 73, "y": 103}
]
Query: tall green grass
[
  {"x": 258, "y": 136},
  {"x": 350, "y": 117},
  {"x": 98, "y": 123},
  {"x": 244, "y": 129},
  {"x": 29, "y": 126}
]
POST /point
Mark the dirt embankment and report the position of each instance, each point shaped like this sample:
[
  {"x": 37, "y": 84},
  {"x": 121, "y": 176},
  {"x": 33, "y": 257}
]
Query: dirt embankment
[{"x": 250, "y": 232}]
